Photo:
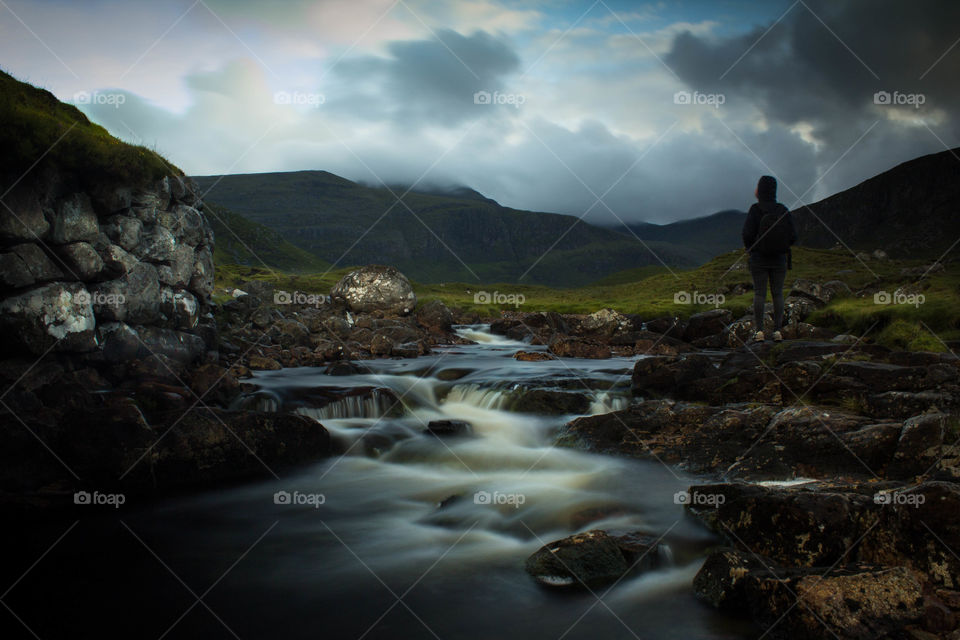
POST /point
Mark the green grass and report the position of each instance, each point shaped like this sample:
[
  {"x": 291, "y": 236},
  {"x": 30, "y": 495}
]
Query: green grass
[
  {"x": 229, "y": 276},
  {"x": 630, "y": 275},
  {"x": 898, "y": 326},
  {"x": 38, "y": 128},
  {"x": 909, "y": 336}
]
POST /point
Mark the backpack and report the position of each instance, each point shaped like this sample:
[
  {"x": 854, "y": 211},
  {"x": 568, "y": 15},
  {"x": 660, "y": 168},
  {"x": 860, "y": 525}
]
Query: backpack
[{"x": 773, "y": 232}]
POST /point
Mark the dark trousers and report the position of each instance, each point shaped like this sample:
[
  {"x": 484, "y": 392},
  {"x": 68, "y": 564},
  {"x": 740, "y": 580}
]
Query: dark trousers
[{"x": 775, "y": 276}]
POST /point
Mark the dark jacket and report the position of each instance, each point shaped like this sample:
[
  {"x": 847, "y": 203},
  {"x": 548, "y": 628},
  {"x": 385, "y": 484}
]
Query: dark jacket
[{"x": 751, "y": 228}]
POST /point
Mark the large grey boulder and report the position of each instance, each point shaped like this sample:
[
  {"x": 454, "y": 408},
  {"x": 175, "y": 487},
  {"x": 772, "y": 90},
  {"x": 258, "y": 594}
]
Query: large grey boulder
[
  {"x": 74, "y": 220},
  {"x": 81, "y": 260},
  {"x": 124, "y": 231},
  {"x": 58, "y": 315},
  {"x": 157, "y": 244},
  {"x": 26, "y": 264},
  {"x": 375, "y": 288},
  {"x": 201, "y": 281},
  {"x": 21, "y": 217},
  {"x": 132, "y": 298}
]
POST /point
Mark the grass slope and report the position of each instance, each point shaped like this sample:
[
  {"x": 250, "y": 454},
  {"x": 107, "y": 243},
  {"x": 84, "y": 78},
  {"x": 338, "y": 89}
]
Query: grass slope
[{"x": 38, "y": 128}]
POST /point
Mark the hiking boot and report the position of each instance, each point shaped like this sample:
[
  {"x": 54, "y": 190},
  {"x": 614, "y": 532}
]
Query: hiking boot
[
  {"x": 759, "y": 337},
  {"x": 777, "y": 336}
]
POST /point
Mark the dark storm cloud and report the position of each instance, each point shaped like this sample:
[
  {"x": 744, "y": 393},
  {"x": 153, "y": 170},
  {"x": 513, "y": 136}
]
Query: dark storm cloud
[
  {"x": 801, "y": 73},
  {"x": 429, "y": 81}
]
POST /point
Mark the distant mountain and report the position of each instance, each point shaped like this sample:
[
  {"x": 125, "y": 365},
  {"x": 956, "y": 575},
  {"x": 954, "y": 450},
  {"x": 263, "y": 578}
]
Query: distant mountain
[
  {"x": 909, "y": 211},
  {"x": 704, "y": 238},
  {"x": 245, "y": 242},
  {"x": 433, "y": 235}
]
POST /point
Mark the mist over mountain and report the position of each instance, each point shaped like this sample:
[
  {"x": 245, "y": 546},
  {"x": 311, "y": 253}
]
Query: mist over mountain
[{"x": 435, "y": 235}]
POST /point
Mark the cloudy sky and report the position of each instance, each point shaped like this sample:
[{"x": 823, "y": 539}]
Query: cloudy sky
[{"x": 610, "y": 109}]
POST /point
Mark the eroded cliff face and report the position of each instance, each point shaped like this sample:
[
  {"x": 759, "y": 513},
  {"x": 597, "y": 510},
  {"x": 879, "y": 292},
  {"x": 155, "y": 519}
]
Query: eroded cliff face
[{"x": 110, "y": 273}]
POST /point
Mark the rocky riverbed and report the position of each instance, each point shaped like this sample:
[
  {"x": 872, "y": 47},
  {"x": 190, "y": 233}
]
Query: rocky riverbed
[{"x": 828, "y": 464}]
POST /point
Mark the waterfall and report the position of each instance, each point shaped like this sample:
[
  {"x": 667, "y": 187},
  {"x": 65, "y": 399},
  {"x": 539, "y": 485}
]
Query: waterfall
[
  {"x": 263, "y": 400},
  {"x": 477, "y": 396},
  {"x": 375, "y": 404},
  {"x": 605, "y": 402}
]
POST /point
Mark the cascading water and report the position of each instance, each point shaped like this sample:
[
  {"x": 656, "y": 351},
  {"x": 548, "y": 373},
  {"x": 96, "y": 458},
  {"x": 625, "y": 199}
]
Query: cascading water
[
  {"x": 376, "y": 404},
  {"x": 442, "y": 524}
]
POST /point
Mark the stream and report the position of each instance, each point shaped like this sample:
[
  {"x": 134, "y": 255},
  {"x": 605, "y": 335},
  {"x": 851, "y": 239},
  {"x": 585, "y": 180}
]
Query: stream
[{"x": 405, "y": 535}]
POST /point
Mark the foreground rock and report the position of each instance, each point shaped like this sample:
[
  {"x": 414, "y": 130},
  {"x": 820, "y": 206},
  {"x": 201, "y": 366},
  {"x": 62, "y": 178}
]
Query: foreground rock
[
  {"x": 856, "y": 601},
  {"x": 834, "y": 560},
  {"x": 767, "y": 442},
  {"x": 122, "y": 451},
  {"x": 592, "y": 559}
]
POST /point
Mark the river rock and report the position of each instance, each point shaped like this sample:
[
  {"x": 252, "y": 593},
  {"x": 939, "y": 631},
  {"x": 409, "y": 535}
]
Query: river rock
[
  {"x": 605, "y": 322},
  {"x": 211, "y": 446},
  {"x": 917, "y": 527},
  {"x": 449, "y": 428},
  {"x": 567, "y": 347},
  {"x": 589, "y": 559},
  {"x": 435, "y": 316},
  {"x": 549, "y": 402},
  {"x": 797, "y": 526},
  {"x": 375, "y": 288},
  {"x": 532, "y": 356},
  {"x": 855, "y": 601}
]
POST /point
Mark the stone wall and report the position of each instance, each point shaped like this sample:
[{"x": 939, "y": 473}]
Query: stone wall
[{"x": 113, "y": 273}]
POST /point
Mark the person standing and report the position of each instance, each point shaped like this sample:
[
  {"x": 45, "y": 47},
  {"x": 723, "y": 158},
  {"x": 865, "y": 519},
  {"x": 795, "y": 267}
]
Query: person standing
[{"x": 768, "y": 233}]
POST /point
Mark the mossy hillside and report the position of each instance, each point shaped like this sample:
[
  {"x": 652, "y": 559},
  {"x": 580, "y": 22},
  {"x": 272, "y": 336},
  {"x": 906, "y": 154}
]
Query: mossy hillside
[{"x": 40, "y": 131}]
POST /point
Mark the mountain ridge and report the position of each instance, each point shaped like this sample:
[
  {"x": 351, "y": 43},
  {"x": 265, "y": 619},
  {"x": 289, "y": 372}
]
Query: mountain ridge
[{"x": 432, "y": 236}]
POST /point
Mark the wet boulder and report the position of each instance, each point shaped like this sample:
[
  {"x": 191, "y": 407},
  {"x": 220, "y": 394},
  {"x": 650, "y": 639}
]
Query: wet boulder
[
  {"x": 549, "y": 402},
  {"x": 532, "y": 356},
  {"x": 670, "y": 374},
  {"x": 589, "y": 559},
  {"x": 449, "y": 428}
]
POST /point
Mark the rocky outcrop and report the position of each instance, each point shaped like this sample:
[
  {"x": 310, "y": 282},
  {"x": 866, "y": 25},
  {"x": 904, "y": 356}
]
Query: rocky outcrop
[
  {"x": 111, "y": 286},
  {"x": 835, "y": 559},
  {"x": 79, "y": 266},
  {"x": 856, "y": 601}
]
